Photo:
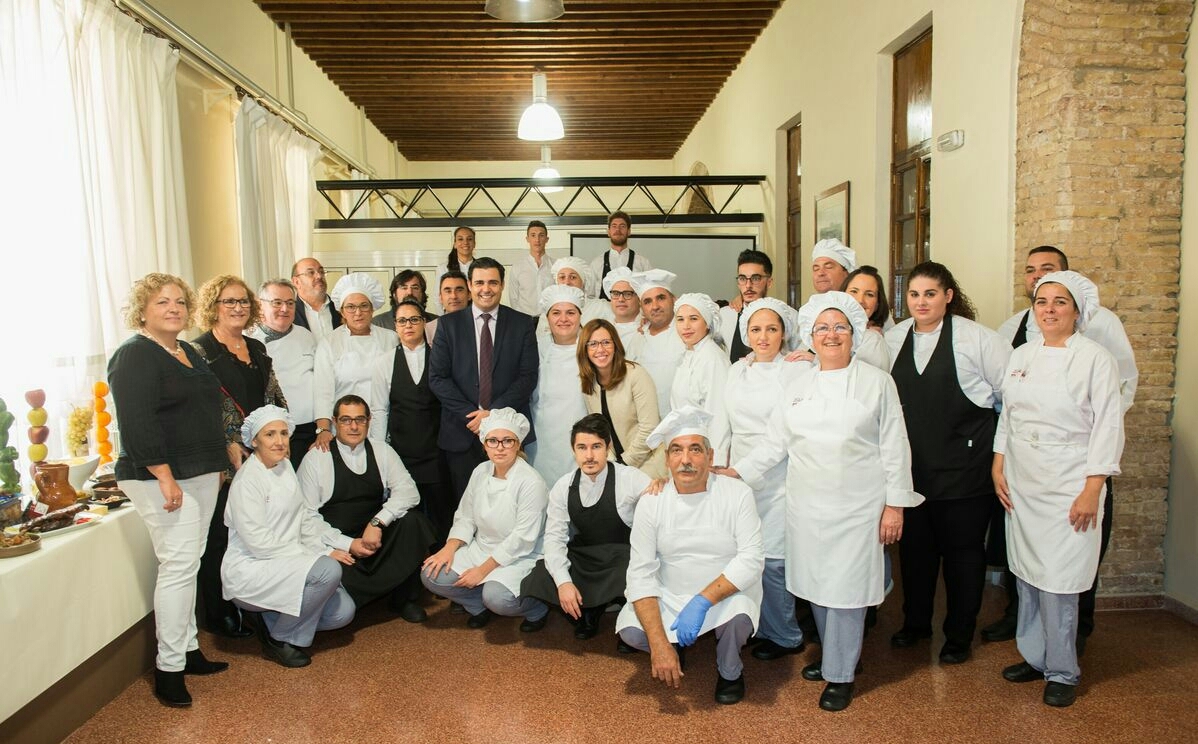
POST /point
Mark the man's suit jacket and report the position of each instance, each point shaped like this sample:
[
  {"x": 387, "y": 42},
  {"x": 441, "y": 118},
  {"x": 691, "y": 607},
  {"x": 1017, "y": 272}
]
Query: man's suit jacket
[
  {"x": 301, "y": 314},
  {"x": 453, "y": 371}
]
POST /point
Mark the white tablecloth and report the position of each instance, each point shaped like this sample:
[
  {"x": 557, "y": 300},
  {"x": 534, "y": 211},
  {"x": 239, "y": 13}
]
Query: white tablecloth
[{"x": 61, "y": 604}]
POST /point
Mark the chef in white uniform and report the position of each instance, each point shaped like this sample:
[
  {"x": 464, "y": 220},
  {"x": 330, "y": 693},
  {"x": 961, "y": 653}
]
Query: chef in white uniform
[
  {"x": 276, "y": 563},
  {"x": 572, "y": 271},
  {"x": 703, "y": 370},
  {"x": 1059, "y": 437},
  {"x": 696, "y": 560},
  {"x": 625, "y": 310},
  {"x": 497, "y": 531},
  {"x": 832, "y": 264},
  {"x": 345, "y": 357},
  {"x": 557, "y": 401},
  {"x": 662, "y": 348}
]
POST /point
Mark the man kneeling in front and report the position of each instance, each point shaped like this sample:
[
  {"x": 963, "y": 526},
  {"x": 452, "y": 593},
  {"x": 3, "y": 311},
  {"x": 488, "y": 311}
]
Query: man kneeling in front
[{"x": 696, "y": 560}]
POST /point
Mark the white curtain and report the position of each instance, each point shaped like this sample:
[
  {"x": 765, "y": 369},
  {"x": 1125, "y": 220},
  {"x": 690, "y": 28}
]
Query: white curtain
[
  {"x": 274, "y": 192},
  {"x": 92, "y": 196}
]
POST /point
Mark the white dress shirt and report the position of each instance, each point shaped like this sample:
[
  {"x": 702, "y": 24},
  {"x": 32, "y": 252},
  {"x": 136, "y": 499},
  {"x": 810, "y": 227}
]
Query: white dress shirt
[
  {"x": 526, "y": 280},
  {"x": 980, "y": 354},
  {"x": 478, "y": 332},
  {"x": 616, "y": 260},
  {"x": 320, "y": 322}
]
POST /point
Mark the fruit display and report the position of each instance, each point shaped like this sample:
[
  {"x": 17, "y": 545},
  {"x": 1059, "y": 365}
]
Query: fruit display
[
  {"x": 103, "y": 419},
  {"x": 38, "y": 431},
  {"x": 10, "y": 480},
  {"x": 78, "y": 424}
]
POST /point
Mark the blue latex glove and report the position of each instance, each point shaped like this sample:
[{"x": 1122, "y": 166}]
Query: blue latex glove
[{"x": 690, "y": 620}]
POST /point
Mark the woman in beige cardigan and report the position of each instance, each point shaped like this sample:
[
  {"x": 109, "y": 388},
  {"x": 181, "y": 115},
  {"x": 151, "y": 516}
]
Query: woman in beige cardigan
[{"x": 623, "y": 393}]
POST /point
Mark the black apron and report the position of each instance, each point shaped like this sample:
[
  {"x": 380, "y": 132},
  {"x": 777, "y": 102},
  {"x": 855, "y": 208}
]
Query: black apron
[
  {"x": 1021, "y": 332},
  {"x": 615, "y": 438},
  {"x": 952, "y": 438},
  {"x": 598, "y": 551},
  {"x": 736, "y": 347},
  {"x": 607, "y": 268}
]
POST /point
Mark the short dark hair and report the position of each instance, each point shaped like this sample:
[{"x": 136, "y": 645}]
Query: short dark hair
[
  {"x": 619, "y": 214},
  {"x": 452, "y": 274},
  {"x": 1052, "y": 249},
  {"x": 535, "y": 223},
  {"x": 407, "y": 302},
  {"x": 595, "y": 425},
  {"x": 404, "y": 277},
  {"x": 350, "y": 400},
  {"x": 755, "y": 257},
  {"x": 485, "y": 262}
]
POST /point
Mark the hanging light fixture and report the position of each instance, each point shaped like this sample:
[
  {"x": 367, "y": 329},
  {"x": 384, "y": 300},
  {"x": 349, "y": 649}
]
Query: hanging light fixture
[
  {"x": 540, "y": 122},
  {"x": 525, "y": 11},
  {"x": 546, "y": 173}
]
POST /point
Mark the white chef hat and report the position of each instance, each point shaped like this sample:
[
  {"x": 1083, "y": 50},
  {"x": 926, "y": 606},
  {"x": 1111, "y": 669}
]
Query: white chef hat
[
  {"x": 841, "y": 301},
  {"x": 508, "y": 419},
  {"x": 556, "y": 293},
  {"x": 644, "y": 281},
  {"x": 358, "y": 283},
  {"x": 837, "y": 251},
  {"x": 257, "y": 420},
  {"x": 617, "y": 275},
  {"x": 1084, "y": 292},
  {"x": 580, "y": 267},
  {"x": 706, "y": 307},
  {"x": 680, "y": 423},
  {"x": 789, "y": 316}
]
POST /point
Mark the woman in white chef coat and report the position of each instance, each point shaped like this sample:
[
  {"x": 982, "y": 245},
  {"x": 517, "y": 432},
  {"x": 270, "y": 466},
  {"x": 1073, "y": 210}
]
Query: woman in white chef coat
[
  {"x": 345, "y": 358},
  {"x": 557, "y": 402},
  {"x": 1059, "y": 436},
  {"x": 753, "y": 391},
  {"x": 703, "y": 370},
  {"x": 497, "y": 531},
  {"x": 848, "y": 482},
  {"x": 276, "y": 564},
  {"x": 571, "y": 271}
]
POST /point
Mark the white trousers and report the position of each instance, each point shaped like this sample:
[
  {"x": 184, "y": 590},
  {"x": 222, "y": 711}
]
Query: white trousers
[{"x": 178, "y": 538}]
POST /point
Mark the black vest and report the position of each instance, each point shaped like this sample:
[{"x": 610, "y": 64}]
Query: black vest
[
  {"x": 951, "y": 437},
  {"x": 1021, "y": 332},
  {"x": 736, "y": 347},
  {"x": 301, "y": 314},
  {"x": 599, "y": 524},
  {"x": 607, "y": 268},
  {"x": 414, "y": 419},
  {"x": 356, "y": 498}
]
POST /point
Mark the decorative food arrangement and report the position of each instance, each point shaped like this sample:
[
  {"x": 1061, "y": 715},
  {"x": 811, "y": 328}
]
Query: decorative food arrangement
[
  {"x": 103, "y": 419},
  {"x": 38, "y": 431},
  {"x": 10, "y": 479}
]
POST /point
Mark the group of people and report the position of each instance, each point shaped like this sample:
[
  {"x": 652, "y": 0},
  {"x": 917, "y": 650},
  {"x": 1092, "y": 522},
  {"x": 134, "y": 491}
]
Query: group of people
[{"x": 607, "y": 441}]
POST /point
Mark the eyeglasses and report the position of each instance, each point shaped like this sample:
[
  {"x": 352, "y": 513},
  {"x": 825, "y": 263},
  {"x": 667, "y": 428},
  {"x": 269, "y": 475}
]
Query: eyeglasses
[
  {"x": 310, "y": 273},
  {"x": 823, "y": 329},
  {"x": 235, "y": 302},
  {"x": 616, "y": 294},
  {"x": 356, "y": 420},
  {"x": 755, "y": 279},
  {"x": 362, "y": 307},
  {"x": 279, "y": 304},
  {"x": 414, "y": 320},
  {"x": 505, "y": 443},
  {"x": 604, "y": 344}
]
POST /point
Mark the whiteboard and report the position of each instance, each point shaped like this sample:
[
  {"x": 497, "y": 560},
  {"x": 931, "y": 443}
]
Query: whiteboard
[{"x": 703, "y": 263}]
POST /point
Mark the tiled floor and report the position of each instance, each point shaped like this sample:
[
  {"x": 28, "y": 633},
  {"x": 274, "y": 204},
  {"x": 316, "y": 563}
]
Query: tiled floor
[{"x": 383, "y": 680}]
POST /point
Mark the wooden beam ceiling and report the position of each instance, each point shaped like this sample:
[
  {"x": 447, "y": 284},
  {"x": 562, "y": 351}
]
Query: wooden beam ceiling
[{"x": 445, "y": 81}]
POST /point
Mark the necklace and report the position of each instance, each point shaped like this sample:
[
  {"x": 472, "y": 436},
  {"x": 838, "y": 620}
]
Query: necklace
[
  {"x": 176, "y": 352},
  {"x": 236, "y": 346}
]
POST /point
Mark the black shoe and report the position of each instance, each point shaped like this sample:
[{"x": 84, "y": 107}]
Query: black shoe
[
  {"x": 456, "y": 609},
  {"x": 588, "y": 624},
  {"x": 480, "y": 620},
  {"x": 954, "y": 653},
  {"x": 198, "y": 665},
  {"x": 836, "y": 696},
  {"x": 1022, "y": 672},
  {"x": 1002, "y": 630},
  {"x": 412, "y": 612},
  {"x": 767, "y": 650},
  {"x": 907, "y": 637},
  {"x": 170, "y": 689},
  {"x": 729, "y": 691},
  {"x": 533, "y": 626},
  {"x": 229, "y": 626},
  {"x": 815, "y": 672},
  {"x": 871, "y": 618},
  {"x": 624, "y": 648},
  {"x": 1059, "y": 694},
  {"x": 279, "y": 652}
]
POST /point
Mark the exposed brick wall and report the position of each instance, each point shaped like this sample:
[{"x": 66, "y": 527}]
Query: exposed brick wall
[{"x": 1099, "y": 136}]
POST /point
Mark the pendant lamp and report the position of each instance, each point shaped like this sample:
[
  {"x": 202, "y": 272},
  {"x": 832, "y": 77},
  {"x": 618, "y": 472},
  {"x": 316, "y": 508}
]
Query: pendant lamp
[
  {"x": 546, "y": 173},
  {"x": 540, "y": 122},
  {"x": 524, "y": 11}
]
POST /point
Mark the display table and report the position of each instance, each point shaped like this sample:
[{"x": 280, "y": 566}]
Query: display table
[{"x": 62, "y": 604}]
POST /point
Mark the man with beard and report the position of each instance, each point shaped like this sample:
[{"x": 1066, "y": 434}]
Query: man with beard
[
  {"x": 754, "y": 277},
  {"x": 619, "y": 227},
  {"x": 313, "y": 311}
]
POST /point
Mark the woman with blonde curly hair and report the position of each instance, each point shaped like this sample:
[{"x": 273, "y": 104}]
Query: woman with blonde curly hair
[
  {"x": 172, "y": 452},
  {"x": 225, "y": 309}
]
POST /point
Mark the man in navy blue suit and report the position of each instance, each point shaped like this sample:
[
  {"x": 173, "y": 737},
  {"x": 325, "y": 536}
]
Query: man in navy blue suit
[{"x": 484, "y": 357}]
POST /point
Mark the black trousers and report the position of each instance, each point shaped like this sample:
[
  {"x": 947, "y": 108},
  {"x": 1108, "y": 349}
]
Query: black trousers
[
  {"x": 950, "y": 534},
  {"x": 211, "y": 598},
  {"x": 461, "y": 465},
  {"x": 301, "y": 440}
]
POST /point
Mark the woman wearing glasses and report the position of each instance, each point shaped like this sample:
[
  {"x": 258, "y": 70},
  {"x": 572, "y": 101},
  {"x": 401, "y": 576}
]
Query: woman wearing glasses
[
  {"x": 224, "y": 310},
  {"x": 497, "y": 531},
  {"x": 556, "y": 402},
  {"x": 624, "y": 393}
]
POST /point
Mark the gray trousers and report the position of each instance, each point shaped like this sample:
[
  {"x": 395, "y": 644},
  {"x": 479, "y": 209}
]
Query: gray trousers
[
  {"x": 778, "y": 622},
  {"x": 326, "y": 606},
  {"x": 1046, "y": 634},
  {"x": 841, "y": 632},
  {"x": 729, "y": 638},
  {"x": 490, "y": 595}
]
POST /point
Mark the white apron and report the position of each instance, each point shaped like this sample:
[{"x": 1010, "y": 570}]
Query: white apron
[
  {"x": 836, "y": 492},
  {"x": 353, "y": 368},
  {"x": 1048, "y": 437},
  {"x": 752, "y": 394},
  {"x": 494, "y": 519},
  {"x": 557, "y": 403}
]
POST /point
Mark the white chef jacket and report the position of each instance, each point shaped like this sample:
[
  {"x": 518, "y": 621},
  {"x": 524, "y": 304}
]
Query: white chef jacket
[
  {"x": 700, "y": 381},
  {"x": 591, "y": 309},
  {"x": 1061, "y": 421},
  {"x": 526, "y": 280},
  {"x": 294, "y": 363},
  {"x": 344, "y": 364},
  {"x": 874, "y": 351},
  {"x": 660, "y": 356},
  {"x": 316, "y": 479},
  {"x": 273, "y": 538},
  {"x": 617, "y": 260},
  {"x": 501, "y": 519},
  {"x": 981, "y": 356},
  {"x": 557, "y": 403},
  {"x": 680, "y": 543},
  {"x": 630, "y": 336},
  {"x": 1105, "y": 328},
  {"x": 380, "y": 387},
  {"x": 630, "y": 484}
]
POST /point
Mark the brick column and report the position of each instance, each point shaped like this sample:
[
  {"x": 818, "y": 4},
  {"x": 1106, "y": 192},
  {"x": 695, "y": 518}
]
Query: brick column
[{"x": 1099, "y": 140}]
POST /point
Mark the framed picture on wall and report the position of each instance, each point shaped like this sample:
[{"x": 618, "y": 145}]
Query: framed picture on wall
[{"x": 832, "y": 213}]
